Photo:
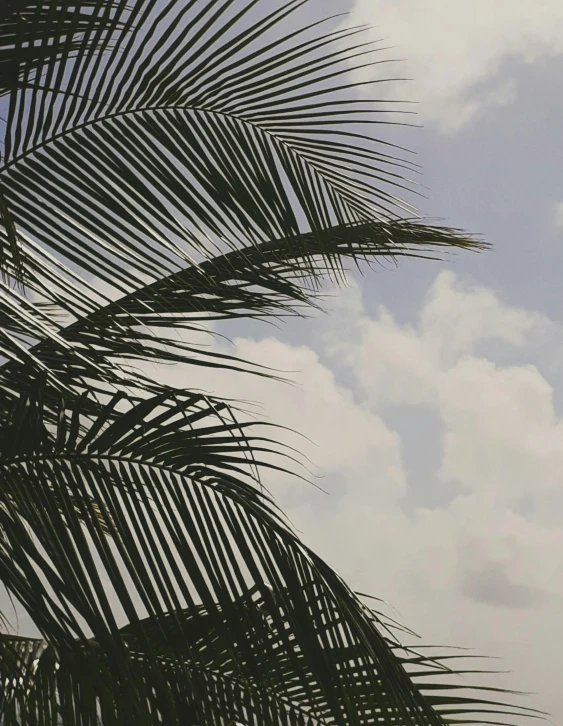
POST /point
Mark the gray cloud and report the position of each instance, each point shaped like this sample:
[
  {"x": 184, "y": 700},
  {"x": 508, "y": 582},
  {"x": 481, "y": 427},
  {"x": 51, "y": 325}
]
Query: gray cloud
[
  {"x": 455, "y": 51},
  {"x": 491, "y": 584}
]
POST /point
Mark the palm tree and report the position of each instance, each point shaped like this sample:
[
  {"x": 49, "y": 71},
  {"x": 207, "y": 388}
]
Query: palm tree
[{"x": 167, "y": 163}]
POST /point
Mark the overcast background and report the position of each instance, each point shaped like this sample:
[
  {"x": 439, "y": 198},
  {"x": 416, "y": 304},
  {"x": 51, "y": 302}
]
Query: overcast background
[{"x": 434, "y": 392}]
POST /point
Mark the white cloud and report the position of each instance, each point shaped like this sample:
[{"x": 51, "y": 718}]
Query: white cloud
[
  {"x": 558, "y": 215},
  {"x": 501, "y": 433},
  {"x": 402, "y": 364},
  {"x": 455, "y": 50},
  {"x": 487, "y": 563},
  {"x": 344, "y": 439}
]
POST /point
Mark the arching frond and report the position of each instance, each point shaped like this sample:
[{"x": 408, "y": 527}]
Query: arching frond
[
  {"x": 172, "y": 483},
  {"x": 270, "y": 279},
  {"x": 201, "y": 127},
  {"x": 217, "y": 678},
  {"x": 168, "y": 163}
]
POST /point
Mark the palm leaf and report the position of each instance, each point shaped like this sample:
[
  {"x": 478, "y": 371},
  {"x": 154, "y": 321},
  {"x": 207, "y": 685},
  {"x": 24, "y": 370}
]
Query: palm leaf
[
  {"x": 270, "y": 279},
  {"x": 149, "y": 149},
  {"x": 210, "y": 674},
  {"x": 197, "y": 161},
  {"x": 166, "y": 147},
  {"x": 174, "y": 484}
]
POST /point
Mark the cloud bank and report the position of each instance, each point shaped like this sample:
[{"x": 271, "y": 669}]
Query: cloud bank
[
  {"x": 457, "y": 52},
  {"x": 482, "y": 564}
]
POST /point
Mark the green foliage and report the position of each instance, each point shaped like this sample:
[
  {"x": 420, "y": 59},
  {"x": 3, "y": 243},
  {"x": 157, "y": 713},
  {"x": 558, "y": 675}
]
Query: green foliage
[{"x": 167, "y": 164}]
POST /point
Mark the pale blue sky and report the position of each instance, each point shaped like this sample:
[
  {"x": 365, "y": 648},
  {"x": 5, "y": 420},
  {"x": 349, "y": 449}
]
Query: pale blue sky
[
  {"x": 469, "y": 548},
  {"x": 434, "y": 392}
]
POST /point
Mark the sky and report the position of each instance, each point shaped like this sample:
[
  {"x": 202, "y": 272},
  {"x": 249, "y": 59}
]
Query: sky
[{"x": 433, "y": 392}]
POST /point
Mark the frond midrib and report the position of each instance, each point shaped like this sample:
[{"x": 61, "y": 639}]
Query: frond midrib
[
  {"x": 241, "y": 119},
  {"x": 132, "y": 112},
  {"x": 93, "y": 456}
]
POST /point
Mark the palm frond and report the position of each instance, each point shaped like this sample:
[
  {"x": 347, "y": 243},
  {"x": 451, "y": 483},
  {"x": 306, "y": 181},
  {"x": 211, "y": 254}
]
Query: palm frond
[
  {"x": 165, "y": 140},
  {"x": 166, "y": 164},
  {"x": 270, "y": 279},
  {"x": 190, "y": 134},
  {"x": 174, "y": 484},
  {"x": 211, "y": 676}
]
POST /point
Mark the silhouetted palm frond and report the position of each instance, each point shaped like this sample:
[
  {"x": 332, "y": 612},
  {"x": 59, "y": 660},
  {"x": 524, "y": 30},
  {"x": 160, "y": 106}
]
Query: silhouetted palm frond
[{"x": 167, "y": 163}]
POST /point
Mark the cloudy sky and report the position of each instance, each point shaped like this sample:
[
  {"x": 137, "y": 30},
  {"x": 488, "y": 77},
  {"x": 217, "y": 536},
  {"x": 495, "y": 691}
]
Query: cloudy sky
[{"x": 434, "y": 392}]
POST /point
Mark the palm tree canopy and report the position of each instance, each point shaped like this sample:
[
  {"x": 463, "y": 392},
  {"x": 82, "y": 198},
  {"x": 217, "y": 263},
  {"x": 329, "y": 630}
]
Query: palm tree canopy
[{"x": 167, "y": 163}]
